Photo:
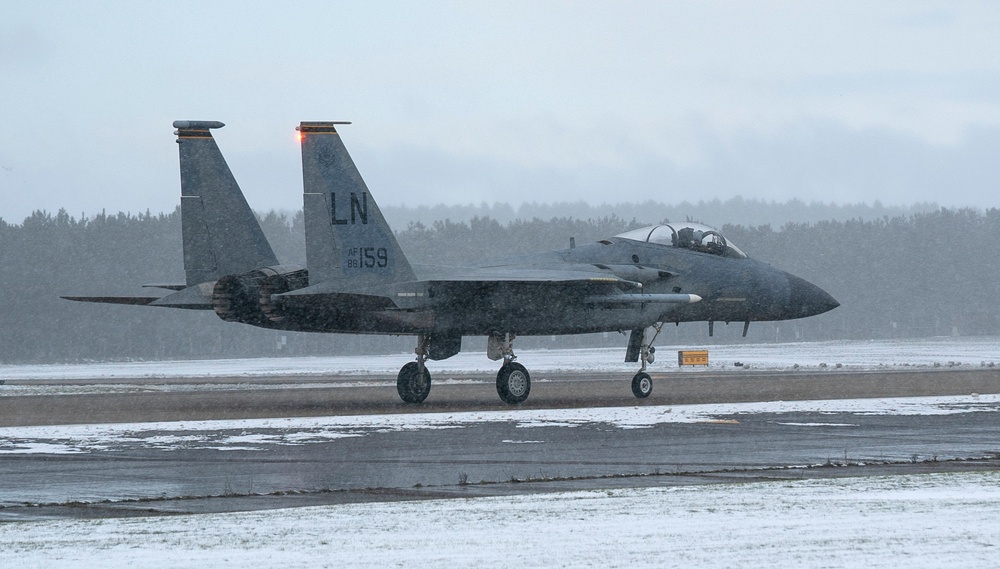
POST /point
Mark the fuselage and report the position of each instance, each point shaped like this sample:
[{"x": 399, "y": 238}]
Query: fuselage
[{"x": 453, "y": 301}]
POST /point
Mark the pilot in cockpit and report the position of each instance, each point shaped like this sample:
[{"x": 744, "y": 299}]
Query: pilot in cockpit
[
  {"x": 685, "y": 237},
  {"x": 701, "y": 241}
]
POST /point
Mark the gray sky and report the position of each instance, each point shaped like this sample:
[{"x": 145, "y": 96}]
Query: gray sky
[{"x": 469, "y": 102}]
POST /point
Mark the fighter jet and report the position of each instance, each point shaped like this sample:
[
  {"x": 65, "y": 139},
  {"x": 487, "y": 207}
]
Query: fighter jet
[{"x": 357, "y": 279}]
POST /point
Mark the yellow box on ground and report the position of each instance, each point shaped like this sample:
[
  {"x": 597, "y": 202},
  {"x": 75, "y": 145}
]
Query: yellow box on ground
[{"x": 692, "y": 358}]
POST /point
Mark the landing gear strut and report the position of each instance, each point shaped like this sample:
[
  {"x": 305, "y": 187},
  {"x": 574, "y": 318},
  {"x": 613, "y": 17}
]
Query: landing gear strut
[
  {"x": 513, "y": 380},
  {"x": 642, "y": 384},
  {"x": 414, "y": 381}
]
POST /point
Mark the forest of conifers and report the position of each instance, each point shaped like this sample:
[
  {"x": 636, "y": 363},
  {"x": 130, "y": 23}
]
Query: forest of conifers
[{"x": 909, "y": 275}]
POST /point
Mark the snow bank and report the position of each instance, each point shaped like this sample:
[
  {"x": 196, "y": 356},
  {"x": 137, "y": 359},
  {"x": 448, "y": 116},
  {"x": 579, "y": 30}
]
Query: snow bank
[{"x": 940, "y": 520}]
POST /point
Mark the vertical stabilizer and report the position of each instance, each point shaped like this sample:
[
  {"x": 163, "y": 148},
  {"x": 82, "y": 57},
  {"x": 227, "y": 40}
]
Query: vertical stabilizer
[
  {"x": 347, "y": 239},
  {"x": 221, "y": 233}
]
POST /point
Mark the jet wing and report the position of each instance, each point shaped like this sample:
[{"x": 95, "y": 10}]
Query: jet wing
[
  {"x": 585, "y": 283},
  {"x": 579, "y": 274},
  {"x": 594, "y": 290}
]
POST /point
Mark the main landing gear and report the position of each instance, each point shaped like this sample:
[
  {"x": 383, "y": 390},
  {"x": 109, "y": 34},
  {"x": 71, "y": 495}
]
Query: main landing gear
[
  {"x": 414, "y": 381},
  {"x": 642, "y": 384},
  {"x": 513, "y": 380}
]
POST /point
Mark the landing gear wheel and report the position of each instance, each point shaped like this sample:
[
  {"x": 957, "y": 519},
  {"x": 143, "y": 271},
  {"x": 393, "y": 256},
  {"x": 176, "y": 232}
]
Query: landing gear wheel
[
  {"x": 412, "y": 385},
  {"x": 513, "y": 383},
  {"x": 642, "y": 385}
]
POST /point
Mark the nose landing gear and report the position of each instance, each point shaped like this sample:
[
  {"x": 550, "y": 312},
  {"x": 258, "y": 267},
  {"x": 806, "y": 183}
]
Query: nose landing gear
[{"x": 642, "y": 384}]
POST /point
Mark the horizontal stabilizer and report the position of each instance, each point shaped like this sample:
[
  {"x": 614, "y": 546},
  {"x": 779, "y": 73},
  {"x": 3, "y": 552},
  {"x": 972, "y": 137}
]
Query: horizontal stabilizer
[
  {"x": 138, "y": 300},
  {"x": 165, "y": 286},
  {"x": 198, "y": 297}
]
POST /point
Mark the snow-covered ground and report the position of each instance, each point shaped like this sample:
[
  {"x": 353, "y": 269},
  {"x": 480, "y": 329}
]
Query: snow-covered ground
[
  {"x": 913, "y": 521},
  {"x": 935, "y": 520},
  {"x": 944, "y": 351},
  {"x": 360, "y": 371}
]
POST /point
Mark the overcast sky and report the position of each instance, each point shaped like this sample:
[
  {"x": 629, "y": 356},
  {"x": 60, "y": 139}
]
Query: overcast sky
[{"x": 470, "y": 102}]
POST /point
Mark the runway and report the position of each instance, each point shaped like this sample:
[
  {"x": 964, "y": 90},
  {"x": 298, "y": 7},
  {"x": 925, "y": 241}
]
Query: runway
[
  {"x": 184, "y": 399},
  {"x": 224, "y": 444}
]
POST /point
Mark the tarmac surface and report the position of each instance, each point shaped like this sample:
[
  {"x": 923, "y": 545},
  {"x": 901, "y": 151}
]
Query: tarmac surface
[
  {"x": 297, "y": 396},
  {"x": 479, "y": 458}
]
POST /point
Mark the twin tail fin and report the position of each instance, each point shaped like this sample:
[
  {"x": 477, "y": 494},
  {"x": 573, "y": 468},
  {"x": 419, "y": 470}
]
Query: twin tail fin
[
  {"x": 348, "y": 242},
  {"x": 221, "y": 235}
]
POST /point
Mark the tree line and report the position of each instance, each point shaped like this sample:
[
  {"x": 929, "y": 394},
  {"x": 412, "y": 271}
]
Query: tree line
[{"x": 919, "y": 274}]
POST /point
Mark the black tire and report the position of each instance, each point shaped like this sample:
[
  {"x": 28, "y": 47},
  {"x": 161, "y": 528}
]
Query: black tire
[
  {"x": 513, "y": 383},
  {"x": 642, "y": 385},
  {"x": 411, "y": 385}
]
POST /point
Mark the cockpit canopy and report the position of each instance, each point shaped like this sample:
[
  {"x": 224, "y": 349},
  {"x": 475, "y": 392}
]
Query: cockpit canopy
[{"x": 694, "y": 236}]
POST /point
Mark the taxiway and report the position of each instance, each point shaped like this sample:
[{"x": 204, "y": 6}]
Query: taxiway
[{"x": 275, "y": 442}]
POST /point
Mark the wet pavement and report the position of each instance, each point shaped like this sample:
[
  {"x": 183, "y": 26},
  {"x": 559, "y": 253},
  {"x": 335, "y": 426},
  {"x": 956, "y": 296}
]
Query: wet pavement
[
  {"x": 177, "y": 466},
  {"x": 177, "y": 471}
]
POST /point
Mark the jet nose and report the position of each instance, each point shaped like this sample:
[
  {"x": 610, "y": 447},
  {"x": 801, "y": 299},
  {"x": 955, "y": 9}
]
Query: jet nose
[{"x": 806, "y": 299}]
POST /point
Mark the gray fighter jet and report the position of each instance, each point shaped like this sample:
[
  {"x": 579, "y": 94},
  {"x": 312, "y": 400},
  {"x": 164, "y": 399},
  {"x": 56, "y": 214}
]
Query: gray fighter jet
[{"x": 357, "y": 280}]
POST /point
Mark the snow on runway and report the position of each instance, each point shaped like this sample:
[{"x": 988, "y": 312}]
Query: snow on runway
[
  {"x": 250, "y": 434},
  {"x": 852, "y": 355},
  {"x": 916, "y": 521},
  {"x": 931, "y": 520}
]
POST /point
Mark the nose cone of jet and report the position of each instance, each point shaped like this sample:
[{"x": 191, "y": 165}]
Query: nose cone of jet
[{"x": 806, "y": 299}]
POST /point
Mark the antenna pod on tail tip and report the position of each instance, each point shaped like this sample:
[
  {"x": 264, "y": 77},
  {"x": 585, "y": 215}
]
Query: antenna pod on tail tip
[
  {"x": 319, "y": 127},
  {"x": 189, "y": 125}
]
